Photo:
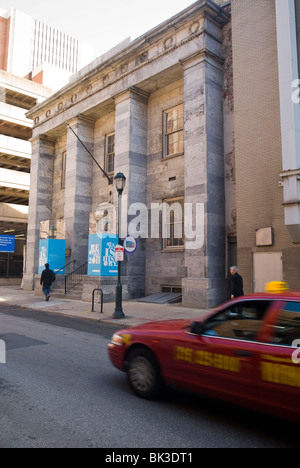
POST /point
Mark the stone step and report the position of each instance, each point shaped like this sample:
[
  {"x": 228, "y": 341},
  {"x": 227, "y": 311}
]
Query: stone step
[{"x": 58, "y": 290}]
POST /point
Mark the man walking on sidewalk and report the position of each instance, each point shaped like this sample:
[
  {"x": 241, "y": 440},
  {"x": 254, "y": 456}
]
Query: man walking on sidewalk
[
  {"x": 236, "y": 283},
  {"x": 47, "y": 278}
]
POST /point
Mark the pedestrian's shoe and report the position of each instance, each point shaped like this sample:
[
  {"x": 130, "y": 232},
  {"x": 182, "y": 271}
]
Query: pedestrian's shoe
[{"x": 47, "y": 298}]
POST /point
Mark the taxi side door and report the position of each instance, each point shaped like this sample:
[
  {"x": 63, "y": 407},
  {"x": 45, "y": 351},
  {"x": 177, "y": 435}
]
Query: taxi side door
[
  {"x": 220, "y": 359},
  {"x": 279, "y": 367}
]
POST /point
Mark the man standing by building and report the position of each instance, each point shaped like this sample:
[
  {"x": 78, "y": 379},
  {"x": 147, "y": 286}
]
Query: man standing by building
[
  {"x": 47, "y": 278},
  {"x": 236, "y": 283}
]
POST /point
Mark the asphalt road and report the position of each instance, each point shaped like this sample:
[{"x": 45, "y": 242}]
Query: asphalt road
[{"x": 58, "y": 389}]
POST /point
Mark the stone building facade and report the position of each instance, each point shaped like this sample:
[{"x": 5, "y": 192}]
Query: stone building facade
[
  {"x": 174, "y": 72},
  {"x": 190, "y": 113}
]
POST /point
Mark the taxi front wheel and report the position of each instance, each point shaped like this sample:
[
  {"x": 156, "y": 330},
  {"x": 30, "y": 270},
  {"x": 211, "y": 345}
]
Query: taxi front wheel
[{"x": 143, "y": 373}]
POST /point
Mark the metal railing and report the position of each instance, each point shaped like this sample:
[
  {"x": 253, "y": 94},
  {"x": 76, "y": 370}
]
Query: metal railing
[
  {"x": 76, "y": 277},
  {"x": 65, "y": 267}
]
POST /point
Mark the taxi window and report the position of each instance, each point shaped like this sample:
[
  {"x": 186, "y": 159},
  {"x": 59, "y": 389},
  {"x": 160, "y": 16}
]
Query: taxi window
[
  {"x": 240, "y": 322},
  {"x": 287, "y": 329}
]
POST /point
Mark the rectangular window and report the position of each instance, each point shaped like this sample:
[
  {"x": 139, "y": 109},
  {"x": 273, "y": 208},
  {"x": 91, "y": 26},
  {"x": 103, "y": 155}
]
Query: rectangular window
[
  {"x": 173, "y": 223},
  {"x": 63, "y": 170},
  {"x": 173, "y": 127},
  {"x": 110, "y": 154}
]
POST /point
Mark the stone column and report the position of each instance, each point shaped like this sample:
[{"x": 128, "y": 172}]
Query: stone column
[
  {"x": 78, "y": 188},
  {"x": 204, "y": 284},
  {"x": 131, "y": 159},
  {"x": 40, "y": 203}
]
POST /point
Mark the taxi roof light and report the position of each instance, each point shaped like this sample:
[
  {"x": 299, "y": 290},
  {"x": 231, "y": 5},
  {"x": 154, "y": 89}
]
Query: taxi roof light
[{"x": 276, "y": 287}]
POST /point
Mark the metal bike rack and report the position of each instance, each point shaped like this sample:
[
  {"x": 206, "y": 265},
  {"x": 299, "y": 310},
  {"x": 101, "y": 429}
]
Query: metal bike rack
[{"x": 101, "y": 302}]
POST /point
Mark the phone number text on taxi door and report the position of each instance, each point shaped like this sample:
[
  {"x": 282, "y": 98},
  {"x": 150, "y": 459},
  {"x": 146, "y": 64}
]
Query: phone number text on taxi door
[{"x": 205, "y": 358}]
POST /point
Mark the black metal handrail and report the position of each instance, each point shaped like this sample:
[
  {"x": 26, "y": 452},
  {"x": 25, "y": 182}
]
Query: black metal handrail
[
  {"x": 64, "y": 267},
  {"x": 76, "y": 277}
]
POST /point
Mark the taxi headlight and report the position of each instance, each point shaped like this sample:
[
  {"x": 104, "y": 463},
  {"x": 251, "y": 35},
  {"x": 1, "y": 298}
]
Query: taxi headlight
[{"x": 117, "y": 340}]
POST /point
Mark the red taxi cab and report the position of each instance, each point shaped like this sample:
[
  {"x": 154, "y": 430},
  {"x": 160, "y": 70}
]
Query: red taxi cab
[{"x": 246, "y": 352}]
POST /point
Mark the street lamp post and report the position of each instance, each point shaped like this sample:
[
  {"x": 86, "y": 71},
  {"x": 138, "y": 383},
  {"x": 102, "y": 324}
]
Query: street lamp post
[{"x": 120, "y": 181}]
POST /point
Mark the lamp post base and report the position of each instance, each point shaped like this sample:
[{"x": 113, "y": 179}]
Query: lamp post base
[{"x": 118, "y": 313}]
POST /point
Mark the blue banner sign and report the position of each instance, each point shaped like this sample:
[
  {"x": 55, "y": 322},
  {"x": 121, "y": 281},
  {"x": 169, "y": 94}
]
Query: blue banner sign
[
  {"x": 7, "y": 244},
  {"x": 52, "y": 251},
  {"x": 101, "y": 260}
]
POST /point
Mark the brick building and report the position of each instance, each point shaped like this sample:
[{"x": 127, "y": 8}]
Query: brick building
[
  {"x": 266, "y": 129},
  {"x": 197, "y": 112}
]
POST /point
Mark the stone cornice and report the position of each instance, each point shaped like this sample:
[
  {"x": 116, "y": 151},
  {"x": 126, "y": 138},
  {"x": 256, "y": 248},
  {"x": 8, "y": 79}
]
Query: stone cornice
[{"x": 158, "y": 43}]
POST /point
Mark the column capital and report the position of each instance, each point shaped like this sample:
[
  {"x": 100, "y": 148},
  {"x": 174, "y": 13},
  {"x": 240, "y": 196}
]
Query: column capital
[
  {"x": 81, "y": 118},
  {"x": 132, "y": 92},
  {"x": 42, "y": 137},
  {"x": 202, "y": 56}
]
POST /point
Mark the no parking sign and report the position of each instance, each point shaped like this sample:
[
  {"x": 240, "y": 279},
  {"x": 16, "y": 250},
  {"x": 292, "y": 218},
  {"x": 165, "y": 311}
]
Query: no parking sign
[{"x": 119, "y": 253}]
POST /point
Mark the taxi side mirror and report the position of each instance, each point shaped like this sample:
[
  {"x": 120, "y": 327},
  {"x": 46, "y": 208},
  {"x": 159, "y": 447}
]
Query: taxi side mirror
[{"x": 197, "y": 328}]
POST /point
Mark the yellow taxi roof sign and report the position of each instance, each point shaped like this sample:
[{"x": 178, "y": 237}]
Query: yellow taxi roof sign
[{"x": 276, "y": 287}]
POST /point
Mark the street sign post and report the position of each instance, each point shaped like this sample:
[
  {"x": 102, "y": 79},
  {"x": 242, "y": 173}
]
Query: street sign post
[{"x": 119, "y": 253}]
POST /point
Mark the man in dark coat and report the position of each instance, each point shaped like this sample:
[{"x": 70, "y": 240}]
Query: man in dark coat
[
  {"x": 236, "y": 283},
  {"x": 47, "y": 278}
]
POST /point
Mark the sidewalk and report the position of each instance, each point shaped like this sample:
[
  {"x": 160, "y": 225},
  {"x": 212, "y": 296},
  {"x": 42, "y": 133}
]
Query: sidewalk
[{"x": 135, "y": 312}]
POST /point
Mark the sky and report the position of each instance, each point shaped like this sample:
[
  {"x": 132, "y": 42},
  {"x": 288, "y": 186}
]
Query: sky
[{"x": 101, "y": 23}]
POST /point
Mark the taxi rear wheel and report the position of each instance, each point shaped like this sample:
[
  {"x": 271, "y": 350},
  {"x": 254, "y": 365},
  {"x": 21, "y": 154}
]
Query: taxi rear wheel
[{"x": 143, "y": 373}]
